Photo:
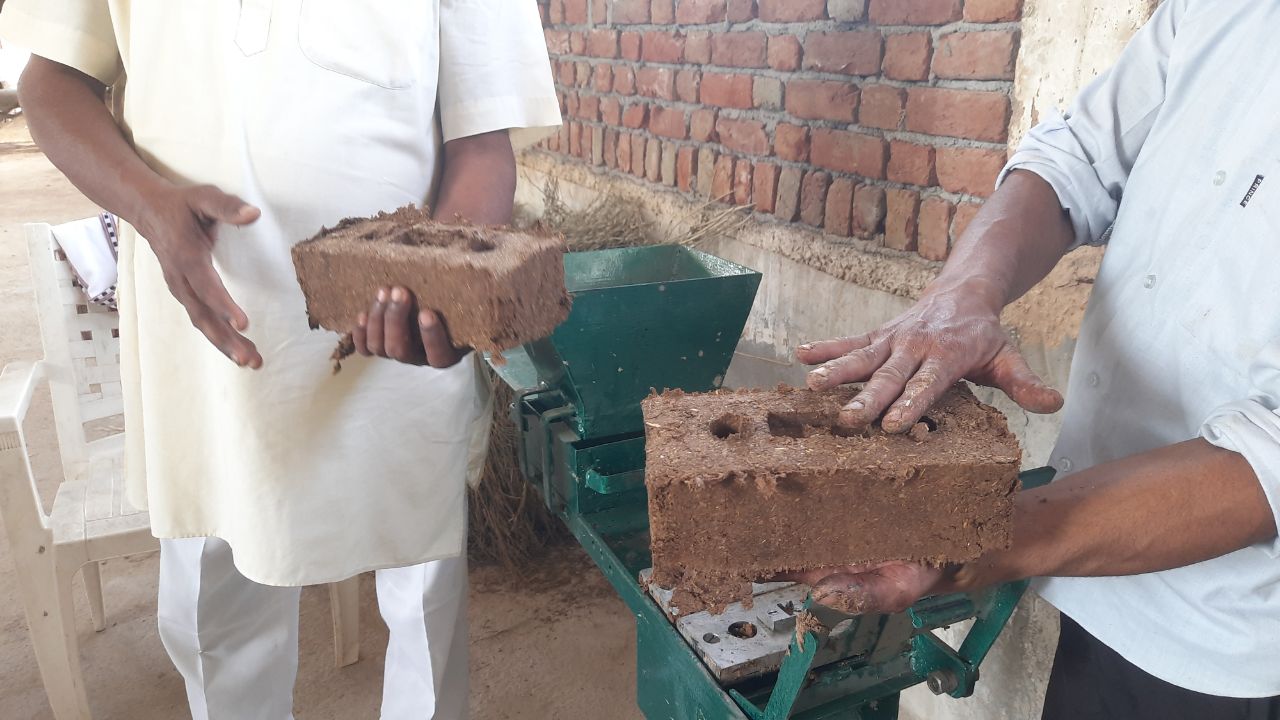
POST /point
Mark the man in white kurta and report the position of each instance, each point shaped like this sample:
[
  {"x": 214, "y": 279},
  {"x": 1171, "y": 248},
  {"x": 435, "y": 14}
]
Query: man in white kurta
[{"x": 262, "y": 480}]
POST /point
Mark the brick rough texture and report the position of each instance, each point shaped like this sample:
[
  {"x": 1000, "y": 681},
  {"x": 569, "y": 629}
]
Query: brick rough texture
[
  {"x": 661, "y": 47},
  {"x": 813, "y": 198},
  {"x": 988, "y": 55},
  {"x": 791, "y": 142},
  {"x": 849, "y": 152},
  {"x": 765, "y": 186},
  {"x": 911, "y": 163},
  {"x": 668, "y": 122},
  {"x": 743, "y": 485},
  {"x": 722, "y": 179},
  {"x": 906, "y": 56},
  {"x": 730, "y": 91},
  {"x": 934, "y": 228},
  {"x": 822, "y": 100},
  {"x": 915, "y": 12},
  {"x": 902, "y": 209},
  {"x": 767, "y": 93},
  {"x": 976, "y": 114},
  {"x": 855, "y": 52},
  {"x": 992, "y": 11},
  {"x": 739, "y": 49},
  {"x": 883, "y": 106},
  {"x": 740, "y": 10},
  {"x": 783, "y": 52},
  {"x": 792, "y": 10},
  {"x": 968, "y": 170},
  {"x": 881, "y": 119},
  {"x": 703, "y": 126},
  {"x": 742, "y": 182},
  {"x": 839, "y": 205},
  {"x": 847, "y": 10},
  {"x": 787, "y": 203},
  {"x": 700, "y": 12},
  {"x": 745, "y": 136},
  {"x": 867, "y": 219}
]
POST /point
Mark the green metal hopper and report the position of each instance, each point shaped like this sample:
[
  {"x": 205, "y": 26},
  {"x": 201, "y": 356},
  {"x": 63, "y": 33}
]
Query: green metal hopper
[
  {"x": 667, "y": 317},
  {"x": 650, "y": 317}
]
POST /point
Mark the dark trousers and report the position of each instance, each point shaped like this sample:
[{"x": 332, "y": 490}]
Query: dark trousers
[{"x": 1090, "y": 681}]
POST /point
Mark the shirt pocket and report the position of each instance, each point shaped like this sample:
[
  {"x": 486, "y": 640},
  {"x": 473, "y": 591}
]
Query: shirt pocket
[
  {"x": 1232, "y": 304},
  {"x": 380, "y": 42},
  {"x": 254, "y": 26}
]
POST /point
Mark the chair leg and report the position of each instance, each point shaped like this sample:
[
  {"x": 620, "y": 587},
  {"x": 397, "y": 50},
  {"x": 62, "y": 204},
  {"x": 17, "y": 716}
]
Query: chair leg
[
  {"x": 46, "y": 595},
  {"x": 92, "y": 576},
  {"x": 344, "y": 603}
]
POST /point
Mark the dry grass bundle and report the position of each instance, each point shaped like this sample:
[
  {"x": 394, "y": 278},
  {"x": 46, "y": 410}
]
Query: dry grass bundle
[
  {"x": 612, "y": 222},
  {"x": 509, "y": 524}
]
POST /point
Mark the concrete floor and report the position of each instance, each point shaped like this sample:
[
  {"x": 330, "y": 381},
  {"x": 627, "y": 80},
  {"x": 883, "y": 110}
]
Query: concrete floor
[{"x": 556, "y": 643}]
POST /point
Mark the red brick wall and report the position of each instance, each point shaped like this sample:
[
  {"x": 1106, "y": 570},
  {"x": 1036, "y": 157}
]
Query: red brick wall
[{"x": 881, "y": 119}]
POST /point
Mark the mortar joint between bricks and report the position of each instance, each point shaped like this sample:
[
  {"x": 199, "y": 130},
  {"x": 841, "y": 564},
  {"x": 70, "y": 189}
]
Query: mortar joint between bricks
[
  {"x": 942, "y": 141},
  {"x": 998, "y": 86},
  {"x": 977, "y": 27}
]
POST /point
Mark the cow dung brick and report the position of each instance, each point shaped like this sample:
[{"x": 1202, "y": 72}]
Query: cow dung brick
[
  {"x": 495, "y": 288},
  {"x": 747, "y": 484}
]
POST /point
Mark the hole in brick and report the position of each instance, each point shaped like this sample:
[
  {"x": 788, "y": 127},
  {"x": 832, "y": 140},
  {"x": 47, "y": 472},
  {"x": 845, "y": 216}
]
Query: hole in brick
[
  {"x": 86, "y": 334},
  {"x": 789, "y": 607},
  {"x": 929, "y": 423},
  {"x": 82, "y": 309},
  {"x": 726, "y": 426},
  {"x": 418, "y": 236},
  {"x": 710, "y": 638},
  {"x": 742, "y": 629},
  {"x": 434, "y": 236},
  {"x": 803, "y": 425}
]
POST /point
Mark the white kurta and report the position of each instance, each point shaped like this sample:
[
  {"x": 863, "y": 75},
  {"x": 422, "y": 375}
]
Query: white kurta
[
  {"x": 313, "y": 110},
  {"x": 1174, "y": 149}
]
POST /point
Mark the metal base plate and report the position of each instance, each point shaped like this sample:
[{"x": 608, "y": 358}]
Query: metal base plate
[{"x": 743, "y": 643}]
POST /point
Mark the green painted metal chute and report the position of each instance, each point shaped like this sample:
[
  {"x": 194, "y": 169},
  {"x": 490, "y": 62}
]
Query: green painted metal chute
[{"x": 667, "y": 316}]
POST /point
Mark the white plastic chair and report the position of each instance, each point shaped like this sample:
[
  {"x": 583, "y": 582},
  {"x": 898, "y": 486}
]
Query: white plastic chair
[{"x": 91, "y": 520}]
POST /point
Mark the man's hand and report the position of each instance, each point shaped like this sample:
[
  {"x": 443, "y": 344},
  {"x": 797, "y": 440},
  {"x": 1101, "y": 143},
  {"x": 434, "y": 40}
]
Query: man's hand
[
  {"x": 181, "y": 226},
  {"x": 881, "y": 588},
  {"x": 394, "y": 328},
  {"x": 911, "y": 361},
  {"x": 954, "y": 331},
  {"x": 69, "y": 120}
]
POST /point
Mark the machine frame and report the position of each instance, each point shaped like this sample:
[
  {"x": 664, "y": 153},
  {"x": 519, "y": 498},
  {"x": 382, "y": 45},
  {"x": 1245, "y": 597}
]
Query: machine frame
[{"x": 581, "y": 442}]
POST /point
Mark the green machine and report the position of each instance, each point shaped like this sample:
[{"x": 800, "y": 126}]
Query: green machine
[{"x": 670, "y": 317}]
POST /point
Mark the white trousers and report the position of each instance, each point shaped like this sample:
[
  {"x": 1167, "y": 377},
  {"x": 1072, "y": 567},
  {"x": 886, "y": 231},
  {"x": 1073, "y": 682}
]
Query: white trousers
[{"x": 235, "y": 642}]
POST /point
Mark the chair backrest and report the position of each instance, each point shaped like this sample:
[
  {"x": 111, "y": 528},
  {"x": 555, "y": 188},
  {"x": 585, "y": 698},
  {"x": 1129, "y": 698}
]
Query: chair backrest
[{"x": 81, "y": 354}]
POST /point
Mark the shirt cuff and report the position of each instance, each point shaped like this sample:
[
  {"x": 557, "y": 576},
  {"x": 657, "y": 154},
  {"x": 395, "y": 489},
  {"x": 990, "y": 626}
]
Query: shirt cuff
[
  {"x": 529, "y": 118},
  {"x": 1249, "y": 428},
  {"x": 1052, "y": 151},
  {"x": 62, "y": 43}
]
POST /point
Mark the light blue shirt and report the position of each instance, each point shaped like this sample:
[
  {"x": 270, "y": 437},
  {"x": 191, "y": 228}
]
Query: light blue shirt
[{"x": 1172, "y": 158}]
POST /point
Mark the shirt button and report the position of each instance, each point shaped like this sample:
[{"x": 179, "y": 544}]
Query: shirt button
[
  {"x": 1064, "y": 464},
  {"x": 1094, "y": 379},
  {"x": 1149, "y": 282},
  {"x": 1219, "y": 178}
]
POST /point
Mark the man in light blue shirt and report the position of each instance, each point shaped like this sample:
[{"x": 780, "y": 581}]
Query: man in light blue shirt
[{"x": 1158, "y": 539}]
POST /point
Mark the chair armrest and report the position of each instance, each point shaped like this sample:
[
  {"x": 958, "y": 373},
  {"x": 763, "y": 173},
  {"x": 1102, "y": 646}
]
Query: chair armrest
[{"x": 17, "y": 385}]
